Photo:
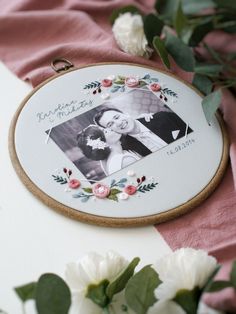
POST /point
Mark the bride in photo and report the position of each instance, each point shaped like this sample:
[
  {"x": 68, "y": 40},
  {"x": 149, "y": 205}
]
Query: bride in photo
[{"x": 106, "y": 145}]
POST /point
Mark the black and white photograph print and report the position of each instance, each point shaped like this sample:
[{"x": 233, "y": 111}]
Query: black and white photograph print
[{"x": 118, "y": 133}]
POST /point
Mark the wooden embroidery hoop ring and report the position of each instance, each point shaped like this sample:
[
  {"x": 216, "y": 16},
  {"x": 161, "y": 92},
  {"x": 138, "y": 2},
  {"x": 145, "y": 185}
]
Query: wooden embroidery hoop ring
[{"x": 110, "y": 221}]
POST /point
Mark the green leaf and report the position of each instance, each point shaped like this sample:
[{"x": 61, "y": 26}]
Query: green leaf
[
  {"x": 200, "y": 31},
  {"x": 210, "y": 104},
  {"x": 166, "y": 8},
  {"x": 161, "y": 50},
  {"x": 52, "y": 295},
  {"x": 180, "y": 20},
  {"x": 233, "y": 275},
  {"x": 226, "y": 4},
  {"x": 114, "y": 191},
  {"x": 231, "y": 56},
  {"x": 129, "y": 8},
  {"x": 202, "y": 83},
  {"x": 152, "y": 26},
  {"x": 218, "y": 285},
  {"x": 188, "y": 300},
  {"x": 215, "y": 55},
  {"x": 210, "y": 279},
  {"x": 212, "y": 70},
  {"x": 112, "y": 197},
  {"x": 97, "y": 293},
  {"x": 139, "y": 292},
  {"x": 88, "y": 190},
  {"x": 180, "y": 52},
  {"x": 194, "y": 7},
  {"x": 26, "y": 292},
  {"x": 120, "y": 282}
]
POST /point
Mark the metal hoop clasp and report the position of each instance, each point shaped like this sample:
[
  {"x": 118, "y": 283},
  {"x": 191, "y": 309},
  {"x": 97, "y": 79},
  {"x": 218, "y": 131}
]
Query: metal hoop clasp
[{"x": 64, "y": 65}]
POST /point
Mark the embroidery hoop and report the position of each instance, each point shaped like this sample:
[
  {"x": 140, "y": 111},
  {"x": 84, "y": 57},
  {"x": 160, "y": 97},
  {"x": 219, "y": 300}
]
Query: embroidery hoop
[{"x": 100, "y": 219}]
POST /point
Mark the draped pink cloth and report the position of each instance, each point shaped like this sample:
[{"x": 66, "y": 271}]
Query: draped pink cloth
[{"x": 34, "y": 32}]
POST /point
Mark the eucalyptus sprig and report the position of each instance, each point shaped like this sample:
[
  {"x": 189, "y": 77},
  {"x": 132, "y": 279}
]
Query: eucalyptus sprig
[
  {"x": 180, "y": 277},
  {"x": 177, "y": 29}
]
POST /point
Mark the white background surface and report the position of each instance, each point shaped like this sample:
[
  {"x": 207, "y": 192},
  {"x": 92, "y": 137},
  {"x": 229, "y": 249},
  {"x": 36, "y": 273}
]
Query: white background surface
[{"x": 33, "y": 238}]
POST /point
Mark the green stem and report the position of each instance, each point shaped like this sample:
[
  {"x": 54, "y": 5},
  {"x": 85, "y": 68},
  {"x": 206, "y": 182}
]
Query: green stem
[
  {"x": 23, "y": 308},
  {"x": 106, "y": 310}
]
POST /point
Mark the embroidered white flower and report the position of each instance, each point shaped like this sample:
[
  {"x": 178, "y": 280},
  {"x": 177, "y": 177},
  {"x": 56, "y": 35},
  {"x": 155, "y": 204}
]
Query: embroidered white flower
[
  {"x": 91, "y": 269},
  {"x": 129, "y": 35},
  {"x": 97, "y": 143},
  {"x": 185, "y": 268}
]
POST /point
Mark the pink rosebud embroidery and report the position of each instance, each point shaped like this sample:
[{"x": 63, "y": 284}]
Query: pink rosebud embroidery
[
  {"x": 131, "y": 81},
  {"x": 101, "y": 190},
  {"x": 74, "y": 183},
  {"x": 155, "y": 87},
  {"x": 130, "y": 189},
  {"x": 106, "y": 83}
]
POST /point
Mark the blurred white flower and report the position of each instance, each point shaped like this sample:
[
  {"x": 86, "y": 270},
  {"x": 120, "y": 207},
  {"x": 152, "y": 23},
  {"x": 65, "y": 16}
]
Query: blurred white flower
[
  {"x": 185, "y": 268},
  {"x": 129, "y": 34},
  {"x": 166, "y": 307},
  {"x": 91, "y": 269},
  {"x": 170, "y": 307}
]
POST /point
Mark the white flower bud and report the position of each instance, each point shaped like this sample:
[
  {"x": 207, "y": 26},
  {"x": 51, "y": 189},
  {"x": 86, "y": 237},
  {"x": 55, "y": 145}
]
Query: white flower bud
[{"x": 129, "y": 34}]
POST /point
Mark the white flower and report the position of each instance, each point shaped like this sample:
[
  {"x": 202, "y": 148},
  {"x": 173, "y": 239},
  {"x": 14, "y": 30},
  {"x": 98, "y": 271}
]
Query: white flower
[
  {"x": 170, "y": 307},
  {"x": 129, "y": 34},
  {"x": 97, "y": 143},
  {"x": 91, "y": 269},
  {"x": 166, "y": 307},
  {"x": 185, "y": 268}
]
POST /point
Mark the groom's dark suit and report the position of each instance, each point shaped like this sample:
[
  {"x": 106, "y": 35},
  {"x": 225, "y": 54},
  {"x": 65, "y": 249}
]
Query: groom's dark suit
[{"x": 162, "y": 124}]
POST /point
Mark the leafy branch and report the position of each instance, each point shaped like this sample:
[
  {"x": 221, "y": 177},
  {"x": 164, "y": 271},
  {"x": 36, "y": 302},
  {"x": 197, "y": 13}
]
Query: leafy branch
[
  {"x": 146, "y": 187},
  {"x": 59, "y": 179},
  {"x": 178, "y": 29}
]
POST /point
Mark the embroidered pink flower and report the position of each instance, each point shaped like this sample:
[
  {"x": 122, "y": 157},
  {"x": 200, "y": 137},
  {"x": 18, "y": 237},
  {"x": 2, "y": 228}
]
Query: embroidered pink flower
[
  {"x": 130, "y": 189},
  {"x": 74, "y": 183},
  {"x": 155, "y": 87},
  {"x": 101, "y": 190},
  {"x": 131, "y": 81},
  {"x": 106, "y": 83}
]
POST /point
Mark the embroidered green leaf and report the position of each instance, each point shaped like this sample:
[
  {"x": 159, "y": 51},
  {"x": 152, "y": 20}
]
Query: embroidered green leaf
[
  {"x": 146, "y": 187},
  {"x": 97, "y": 293},
  {"x": 202, "y": 83},
  {"x": 129, "y": 8},
  {"x": 26, "y": 292},
  {"x": 169, "y": 92},
  {"x": 60, "y": 179},
  {"x": 94, "y": 84},
  {"x": 52, "y": 295},
  {"x": 120, "y": 282},
  {"x": 180, "y": 52},
  {"x": 160, "y": 48},
  {"x": 112, "y": 197},
  {"x": 139, "y": 291},
  {"x": 152, "y": 26},
  {"x": 88, "y": 190},
  {"x": 210, "y": 104},
  {"x": 114, "y": 191}
]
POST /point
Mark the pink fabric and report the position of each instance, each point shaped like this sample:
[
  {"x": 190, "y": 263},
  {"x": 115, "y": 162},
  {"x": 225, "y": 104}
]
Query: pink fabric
[{"x": 34, "y": 32}]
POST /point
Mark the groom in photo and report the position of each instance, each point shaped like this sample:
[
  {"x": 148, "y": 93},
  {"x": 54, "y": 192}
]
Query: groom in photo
[{"x": 161, "y": 129}]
